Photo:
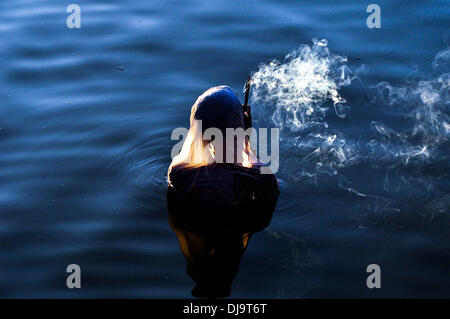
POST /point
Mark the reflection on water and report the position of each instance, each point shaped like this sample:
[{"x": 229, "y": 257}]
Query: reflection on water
[{"x": 212, "y": 259}]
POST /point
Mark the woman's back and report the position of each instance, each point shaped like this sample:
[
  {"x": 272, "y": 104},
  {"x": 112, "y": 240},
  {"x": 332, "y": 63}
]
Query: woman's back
[{"x": 223, "y": 197}]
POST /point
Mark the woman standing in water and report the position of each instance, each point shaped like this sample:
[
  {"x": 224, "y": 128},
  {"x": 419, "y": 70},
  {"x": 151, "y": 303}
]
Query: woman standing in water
[{"x": 217, "y": 197}]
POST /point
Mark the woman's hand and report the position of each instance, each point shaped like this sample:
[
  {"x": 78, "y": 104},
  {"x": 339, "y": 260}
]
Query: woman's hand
[{"x": 247, "y": 116}]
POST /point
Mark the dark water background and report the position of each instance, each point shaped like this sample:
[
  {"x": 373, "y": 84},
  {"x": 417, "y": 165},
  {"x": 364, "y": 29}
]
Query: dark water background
[{"x": 84, "y": 148}]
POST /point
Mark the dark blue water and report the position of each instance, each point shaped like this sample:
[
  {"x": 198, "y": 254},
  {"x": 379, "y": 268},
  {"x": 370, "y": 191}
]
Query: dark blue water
[{"x": 85, "y": 122}]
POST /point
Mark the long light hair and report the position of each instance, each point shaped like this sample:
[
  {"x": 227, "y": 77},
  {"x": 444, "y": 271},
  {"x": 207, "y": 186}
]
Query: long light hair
[{"x": 217, "y": 110}]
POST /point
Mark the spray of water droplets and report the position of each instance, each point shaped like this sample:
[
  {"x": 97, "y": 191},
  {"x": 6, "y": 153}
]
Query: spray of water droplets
[
  {"x": 296, "y": 89},
  {"x": 424, "y": 106},
  {"x": 296, "y": 96},
  {"x": 299, "y": 95}
]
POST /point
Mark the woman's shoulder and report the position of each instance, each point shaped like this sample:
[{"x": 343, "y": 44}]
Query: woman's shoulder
[{"x": 181, "y": 172}]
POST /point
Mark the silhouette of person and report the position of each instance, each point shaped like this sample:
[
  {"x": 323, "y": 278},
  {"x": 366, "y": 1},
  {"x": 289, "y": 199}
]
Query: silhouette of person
[{"x": 216, "y": 205}]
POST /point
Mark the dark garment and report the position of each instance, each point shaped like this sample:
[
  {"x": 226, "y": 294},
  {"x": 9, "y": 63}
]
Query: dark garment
[{"x": 222, "y": 198}]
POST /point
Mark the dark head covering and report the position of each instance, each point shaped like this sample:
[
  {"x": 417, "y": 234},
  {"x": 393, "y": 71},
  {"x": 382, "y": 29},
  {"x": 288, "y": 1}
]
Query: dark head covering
[{"x": 219, "y": 107}]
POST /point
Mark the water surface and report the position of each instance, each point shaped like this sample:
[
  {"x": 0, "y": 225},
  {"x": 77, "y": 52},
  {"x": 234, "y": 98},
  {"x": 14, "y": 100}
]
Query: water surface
[{"x": 85, "y": 123}]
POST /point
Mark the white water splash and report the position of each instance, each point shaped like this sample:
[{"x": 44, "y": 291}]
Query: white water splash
[
  {"x": 296, "y": 96},
  {"x": 296, "y": 89},
  {"x": 425, "y": 105}
]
